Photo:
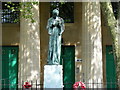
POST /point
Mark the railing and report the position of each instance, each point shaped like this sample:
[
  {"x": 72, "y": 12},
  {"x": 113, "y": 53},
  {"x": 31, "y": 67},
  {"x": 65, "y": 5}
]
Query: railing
[{"x": 37, "y": 85}]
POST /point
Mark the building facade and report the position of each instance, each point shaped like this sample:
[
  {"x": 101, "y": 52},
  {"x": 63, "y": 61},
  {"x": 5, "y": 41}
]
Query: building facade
[{"x": 86, "y": 47}]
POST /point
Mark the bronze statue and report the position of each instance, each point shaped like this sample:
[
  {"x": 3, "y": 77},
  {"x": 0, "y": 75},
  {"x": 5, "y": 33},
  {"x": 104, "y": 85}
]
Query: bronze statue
[{"x": 55, "y": 27}]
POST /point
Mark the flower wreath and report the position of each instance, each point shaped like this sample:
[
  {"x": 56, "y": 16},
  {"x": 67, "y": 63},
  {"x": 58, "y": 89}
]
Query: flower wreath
[
  {"x": 27, "y": 85},
  {"x": 79, "y": 85}
]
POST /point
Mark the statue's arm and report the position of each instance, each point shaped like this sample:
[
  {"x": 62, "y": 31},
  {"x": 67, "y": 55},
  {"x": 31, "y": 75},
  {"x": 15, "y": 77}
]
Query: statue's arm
[
  {"x": 62, "y": 26},
  {"x": 49, "y": 26}
]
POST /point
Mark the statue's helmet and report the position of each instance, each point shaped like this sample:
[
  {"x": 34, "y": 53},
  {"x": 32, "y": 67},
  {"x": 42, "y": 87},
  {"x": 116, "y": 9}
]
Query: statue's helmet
[{"x": 55, "y": 11}]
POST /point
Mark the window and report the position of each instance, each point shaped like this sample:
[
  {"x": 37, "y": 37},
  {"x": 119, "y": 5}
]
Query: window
[
  {"x": 115, "y": 6},
  {"x": 9, "y": 16},
  {"x": 66, "y": 10}
]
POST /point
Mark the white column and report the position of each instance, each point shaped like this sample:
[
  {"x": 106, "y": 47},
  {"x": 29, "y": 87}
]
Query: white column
[
  {"x": 29, "y": 49},
  {"x": 92, "y": 43}
]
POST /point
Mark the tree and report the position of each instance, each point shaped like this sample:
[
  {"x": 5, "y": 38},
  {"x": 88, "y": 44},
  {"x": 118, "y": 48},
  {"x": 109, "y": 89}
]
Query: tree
[
  {"x": 112, "y": 25},
  {"x": 24, "y": 8}
]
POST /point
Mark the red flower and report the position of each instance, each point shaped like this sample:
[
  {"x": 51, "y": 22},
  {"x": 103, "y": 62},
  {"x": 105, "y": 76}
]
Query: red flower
[
  {"x": 27, "y": 85},
  {"x": 79, "y": 85}
]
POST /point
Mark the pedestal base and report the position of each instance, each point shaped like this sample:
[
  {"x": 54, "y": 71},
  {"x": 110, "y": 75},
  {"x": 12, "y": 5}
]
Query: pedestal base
[{"x": 53, "y": 76}]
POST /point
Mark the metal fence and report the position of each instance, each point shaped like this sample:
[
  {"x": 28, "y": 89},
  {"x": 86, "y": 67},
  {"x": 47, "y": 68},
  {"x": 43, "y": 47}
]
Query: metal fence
[{"x": 37, "y": 85}]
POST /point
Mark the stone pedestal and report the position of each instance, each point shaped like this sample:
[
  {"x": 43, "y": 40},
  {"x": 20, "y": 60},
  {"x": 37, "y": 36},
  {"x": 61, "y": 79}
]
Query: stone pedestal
[{"x": 53, "y": 76}]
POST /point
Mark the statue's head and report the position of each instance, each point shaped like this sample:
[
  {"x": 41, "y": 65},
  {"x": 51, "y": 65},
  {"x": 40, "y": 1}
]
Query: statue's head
[{"x": 55, "y": 13}]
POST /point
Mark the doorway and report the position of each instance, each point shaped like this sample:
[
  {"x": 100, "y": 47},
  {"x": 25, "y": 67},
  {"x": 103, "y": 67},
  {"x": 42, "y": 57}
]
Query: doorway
[
  {"x": 68, "y": 62},
  {"x": 110, "y": 68},
  {"x": 9, "y": 67}
]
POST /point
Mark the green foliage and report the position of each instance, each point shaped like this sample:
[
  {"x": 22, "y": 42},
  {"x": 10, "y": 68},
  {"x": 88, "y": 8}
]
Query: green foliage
[
  {"x": 111, "y": 23},
  {"x": 25, "y": 9}
]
